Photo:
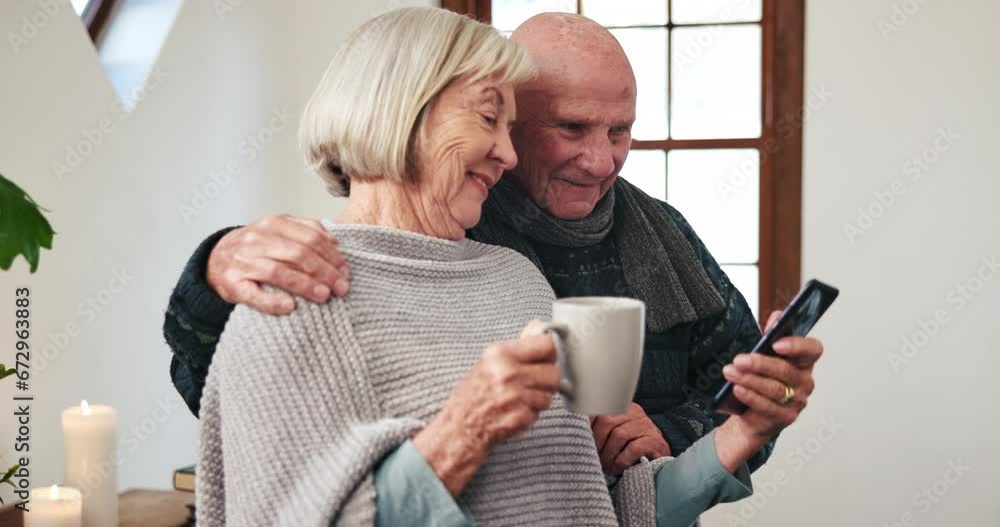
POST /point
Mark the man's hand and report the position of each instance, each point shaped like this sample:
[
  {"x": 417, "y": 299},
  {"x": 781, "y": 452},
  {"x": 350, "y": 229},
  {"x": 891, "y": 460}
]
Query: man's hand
[
  {"x": 760, "y": 383},
  {"x": 292, "y": 254},
  {"x": 623, "y": 439}
]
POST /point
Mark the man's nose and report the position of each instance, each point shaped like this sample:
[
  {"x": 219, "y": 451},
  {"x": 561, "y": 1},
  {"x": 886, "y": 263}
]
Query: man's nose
[
  {"x": 504, "y": 153},
  {"x": 597, "y": 157}
]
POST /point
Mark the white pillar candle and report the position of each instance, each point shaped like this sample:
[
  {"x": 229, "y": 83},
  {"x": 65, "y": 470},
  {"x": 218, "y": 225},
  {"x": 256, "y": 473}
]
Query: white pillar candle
[
  {"x": 54, "y": 507},
  {"x": 89, "y": 440}
]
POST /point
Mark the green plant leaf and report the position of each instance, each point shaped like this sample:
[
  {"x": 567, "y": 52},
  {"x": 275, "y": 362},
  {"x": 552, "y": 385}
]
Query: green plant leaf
[
  {"x": 7, "y": 477},
  {"x": 23, "y": 228},
  {"x": 5, "y": 372}
]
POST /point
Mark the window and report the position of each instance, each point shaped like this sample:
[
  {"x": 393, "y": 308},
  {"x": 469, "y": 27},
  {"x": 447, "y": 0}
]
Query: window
[
  {"x": 94, "y": 14},
  {"x": 128, "y": 35},
  {"x": 719, "y": 121}
]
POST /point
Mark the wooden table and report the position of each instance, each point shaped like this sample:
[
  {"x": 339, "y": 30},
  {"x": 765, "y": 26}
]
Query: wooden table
[{"x": 136, "y": 508}]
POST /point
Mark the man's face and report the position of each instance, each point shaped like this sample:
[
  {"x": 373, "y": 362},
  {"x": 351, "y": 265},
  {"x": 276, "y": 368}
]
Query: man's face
[{"x": 572, "y": 139}]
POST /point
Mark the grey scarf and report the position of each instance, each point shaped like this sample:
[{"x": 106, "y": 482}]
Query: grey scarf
[{"x": 661, "y": 268}]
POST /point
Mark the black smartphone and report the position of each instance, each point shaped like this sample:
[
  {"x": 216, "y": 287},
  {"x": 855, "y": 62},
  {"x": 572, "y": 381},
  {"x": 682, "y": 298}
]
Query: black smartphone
[{"x": 797, "y": 319}]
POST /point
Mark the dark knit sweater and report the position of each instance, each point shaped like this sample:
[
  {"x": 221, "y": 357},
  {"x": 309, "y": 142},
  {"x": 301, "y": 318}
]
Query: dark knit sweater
[{"x": 681, "y": 366}]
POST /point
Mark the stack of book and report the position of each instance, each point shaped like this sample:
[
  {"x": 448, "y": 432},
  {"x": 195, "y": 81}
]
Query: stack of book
[{"x": 184, "y": 481}]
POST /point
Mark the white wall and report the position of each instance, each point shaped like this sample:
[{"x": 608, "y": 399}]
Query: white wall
[
  {"x": 897, "y": 430},
  {"x": 223, "y": 78}
]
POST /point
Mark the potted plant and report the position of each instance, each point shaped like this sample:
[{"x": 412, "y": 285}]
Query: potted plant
[
  {"x": 9, "y": 474},
  {"x": 23, "y": 230}
]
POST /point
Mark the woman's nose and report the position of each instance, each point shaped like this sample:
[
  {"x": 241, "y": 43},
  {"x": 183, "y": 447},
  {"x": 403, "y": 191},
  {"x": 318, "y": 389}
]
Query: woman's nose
[{"x": 504, "y": 153}]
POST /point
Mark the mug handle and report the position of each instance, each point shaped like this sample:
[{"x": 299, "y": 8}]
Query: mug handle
[{"x": 562, "y": 331}]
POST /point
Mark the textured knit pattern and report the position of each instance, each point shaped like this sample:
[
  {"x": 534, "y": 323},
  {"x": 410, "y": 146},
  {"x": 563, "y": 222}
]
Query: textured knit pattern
[
  {"x": 634, "y": 494},
  {"x": 193, "y": 322},
  {"x": 659, "y": 264},
  {"x": 298, "y": 411}
]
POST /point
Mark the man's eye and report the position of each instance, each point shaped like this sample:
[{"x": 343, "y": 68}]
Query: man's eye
[
  {"x": 620, "y": 130},
  {"x": 572, "y": 127},
  {"x": 492, "y": 121}
]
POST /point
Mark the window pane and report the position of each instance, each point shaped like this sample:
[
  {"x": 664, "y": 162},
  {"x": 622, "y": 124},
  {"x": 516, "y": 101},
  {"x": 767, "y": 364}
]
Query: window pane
[
  {"x": 746, "y": 278},
  {"x": 508, "y": 14},
  {"x": 714, "y": 11},
  {"x": 646, "y": 169},
  {"x": 638, "y": 12},
  {"x": 718, "y": 192},
  {"x": 79, "y": 6},
  {"x": 646, "y": 49},
  {"x": 716, "y": 82}
]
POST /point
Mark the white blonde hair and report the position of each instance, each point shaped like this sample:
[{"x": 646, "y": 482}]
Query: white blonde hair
[{"x": 364, "y": 117}]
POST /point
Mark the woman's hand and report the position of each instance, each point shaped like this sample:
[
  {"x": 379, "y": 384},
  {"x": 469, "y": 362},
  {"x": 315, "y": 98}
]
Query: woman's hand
[
  {"x": 501, "y": 397},
  {"x": 759, "y": 383}
]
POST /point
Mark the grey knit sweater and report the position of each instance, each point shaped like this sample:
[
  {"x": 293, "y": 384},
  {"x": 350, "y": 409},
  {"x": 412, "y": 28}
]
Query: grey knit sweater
[{"x": 299, "y": 410}]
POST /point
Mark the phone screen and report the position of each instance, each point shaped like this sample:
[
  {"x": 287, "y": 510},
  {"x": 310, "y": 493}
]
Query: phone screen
[{"x": 796, "y": 320}]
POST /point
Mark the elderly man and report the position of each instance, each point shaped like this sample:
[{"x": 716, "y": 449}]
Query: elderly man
[{"x": 589, "y": 232}]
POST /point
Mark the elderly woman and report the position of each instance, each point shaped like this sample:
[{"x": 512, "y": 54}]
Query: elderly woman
[{"x": 411, "y": 400}]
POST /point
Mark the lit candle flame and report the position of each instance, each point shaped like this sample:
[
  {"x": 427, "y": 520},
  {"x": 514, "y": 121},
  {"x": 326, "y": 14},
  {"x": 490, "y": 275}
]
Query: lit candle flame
[
  {"x": 54, "y": 492},
  {"x": 84, "y": 407}
]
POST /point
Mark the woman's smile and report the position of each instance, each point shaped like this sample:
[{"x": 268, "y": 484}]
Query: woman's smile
[{"x": 482, "y": 182}]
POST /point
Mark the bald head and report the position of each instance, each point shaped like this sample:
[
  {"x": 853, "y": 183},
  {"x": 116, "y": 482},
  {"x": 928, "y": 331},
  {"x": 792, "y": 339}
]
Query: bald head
[
  {"x": 572, "y": 48},
  {"x": 575, "y": 116}
]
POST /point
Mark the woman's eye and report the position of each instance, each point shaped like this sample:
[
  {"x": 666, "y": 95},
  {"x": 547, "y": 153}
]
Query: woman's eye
[{"x": 492, "y": 121}]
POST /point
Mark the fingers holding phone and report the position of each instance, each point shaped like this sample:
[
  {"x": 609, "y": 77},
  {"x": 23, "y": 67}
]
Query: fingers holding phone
[
  {"x": 771, "y": 320},
  {"x": 774, "y": 378},
  {"x": 799, "y": 350},
  {"x": 782, "y": 361}
]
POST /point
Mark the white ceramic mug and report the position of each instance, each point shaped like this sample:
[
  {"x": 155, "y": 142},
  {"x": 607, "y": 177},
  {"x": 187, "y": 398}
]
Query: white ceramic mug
[{"x": 601, "y": 352}]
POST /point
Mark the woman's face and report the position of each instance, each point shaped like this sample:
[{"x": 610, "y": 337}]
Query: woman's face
[{"x": 465, "y": 150}]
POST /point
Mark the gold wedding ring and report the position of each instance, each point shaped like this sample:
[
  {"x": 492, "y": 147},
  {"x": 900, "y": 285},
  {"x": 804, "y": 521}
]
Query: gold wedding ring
[{"x": 789, "y": 394}]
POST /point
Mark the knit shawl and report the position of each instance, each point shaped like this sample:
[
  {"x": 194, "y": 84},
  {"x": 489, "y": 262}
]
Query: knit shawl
[{"x": 299, "y": 410}]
